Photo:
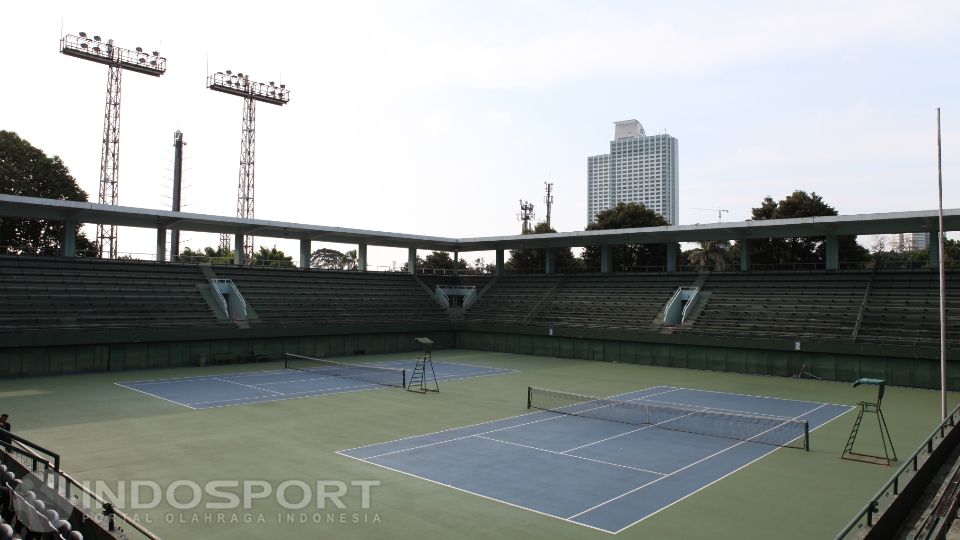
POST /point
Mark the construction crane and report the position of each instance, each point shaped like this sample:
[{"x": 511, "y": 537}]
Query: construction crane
[{"x": 719, "y": 212}]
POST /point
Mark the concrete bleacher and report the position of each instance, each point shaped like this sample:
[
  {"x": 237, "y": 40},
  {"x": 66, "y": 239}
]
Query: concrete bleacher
[
  {"x": 904, "y": 308},
  {"x": 291, "y": 297},
  {"x": 605, "y": 301},
  {"x": 38, "y": 294},
  {"x": 512, "y": 298},
  {"x": 822, "y": 305},
  {"x": 614, "y": 301}
]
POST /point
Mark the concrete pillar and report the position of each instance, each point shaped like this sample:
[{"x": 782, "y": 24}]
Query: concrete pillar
[
  {"x": 833, "y": 253},
  {"x": 305, "y": 245},
  {"x": 745, "y": 255},
  {"x": 412, "y": 260},
  {"x": 606, "y": 259},
  {"x": 548, "y": 260},
  {"x": 499, "y": 271},
  {"x": 69, "y": 238},
  {"x": 362, "y": 257},
  {"x": 456, "y": 263},
  {"x": 934, "y": 249},
  {"x": 672, "y": 257},
  {"x": 238, "y": 253},
  {"x": 161, "y": 244}
]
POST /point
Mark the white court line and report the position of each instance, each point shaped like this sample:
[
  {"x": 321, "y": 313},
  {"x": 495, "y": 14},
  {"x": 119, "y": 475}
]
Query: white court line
[
  {"x": 629, "y": 432},
  {"x": 201, "y": 377},
  {"x": 291, "y": 397},
  {"x": 707, "y": 408},
  {"x": 249, "y": 386},
  {"x": 849, "y": 408},
  {"x": 570, "y": 455},
  {"x": 634, "y": 490},
  {"x": 314, "y": 392},
  {"x": 558, "y": 415},
  {"x": 501, "y": 501},
  {"x": 154, "y": 395},
  {"x": 233, "y": 399},
  {"x": 761, "y": 397},
  {"x": 477, "y": 424}
]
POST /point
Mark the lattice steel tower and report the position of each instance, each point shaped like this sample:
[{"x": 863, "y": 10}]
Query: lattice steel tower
[
  {"x": 251, "y": 92},
  {"x": 116, "y": 59}
]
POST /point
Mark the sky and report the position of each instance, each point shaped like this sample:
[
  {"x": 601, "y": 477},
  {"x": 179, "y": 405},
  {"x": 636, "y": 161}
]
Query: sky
[{"x": 438, "y": 117}]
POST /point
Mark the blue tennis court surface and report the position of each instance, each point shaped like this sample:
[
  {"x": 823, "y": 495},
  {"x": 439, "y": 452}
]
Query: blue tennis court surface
[
  {"x": 207, "y": 392},
  {"x": 601, "y": 474}
]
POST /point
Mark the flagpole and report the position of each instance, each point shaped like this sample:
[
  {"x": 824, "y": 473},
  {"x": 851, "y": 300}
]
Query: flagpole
[{"x": 943, "y": 304}]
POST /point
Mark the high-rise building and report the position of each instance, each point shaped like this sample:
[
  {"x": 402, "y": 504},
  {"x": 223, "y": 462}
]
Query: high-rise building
[
  {"x": 639, "y": 168},
  {"x": 909, "y": 241}
]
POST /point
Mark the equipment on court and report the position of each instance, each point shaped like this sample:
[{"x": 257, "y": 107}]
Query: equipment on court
[
  {"x": 361, "y": 372},
  {"x": 873, "y": 408},
  {"x": 418, "y": 381},
  {"x": 772, "y": 430},
  {"x": 806, "y": 373}
]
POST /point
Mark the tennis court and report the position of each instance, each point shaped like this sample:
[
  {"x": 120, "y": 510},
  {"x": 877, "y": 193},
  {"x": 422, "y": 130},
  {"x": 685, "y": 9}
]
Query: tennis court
[
  {"x": 303, "y": 377},
  {"x": 605, "y": 464}
]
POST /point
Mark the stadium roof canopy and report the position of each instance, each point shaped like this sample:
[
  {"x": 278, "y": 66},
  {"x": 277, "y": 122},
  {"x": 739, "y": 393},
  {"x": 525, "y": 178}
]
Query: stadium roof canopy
[{"x": 85, "y": 212}]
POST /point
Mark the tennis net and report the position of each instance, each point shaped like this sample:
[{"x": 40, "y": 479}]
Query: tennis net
[
  {"x": 772, "y": 430},
  {"x": 362, "y": 372}
]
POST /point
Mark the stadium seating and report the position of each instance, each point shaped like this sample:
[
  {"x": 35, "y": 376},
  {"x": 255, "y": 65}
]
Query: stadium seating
[
  {"x": 290, "y": 297},
  {"x": 821, "y": 305},
  {"x": 904, "y": 308},
  {"x": 613, "y": 301},
  {"x": 37, "y": 294},
  {"x": 886, "y": 306}
]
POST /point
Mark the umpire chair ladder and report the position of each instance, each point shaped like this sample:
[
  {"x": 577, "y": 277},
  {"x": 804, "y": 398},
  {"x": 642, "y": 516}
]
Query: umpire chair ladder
[
  {"x": 420, "y": 380},
  {"x": 870, "y": 407}
]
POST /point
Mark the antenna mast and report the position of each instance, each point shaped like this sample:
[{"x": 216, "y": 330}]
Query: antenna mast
[
  {"x": 251, "y": 91},
  {"x": 526, "y": 216},
  {"x": 116, "y": 59},
  {"x": 548, "y": 198}
]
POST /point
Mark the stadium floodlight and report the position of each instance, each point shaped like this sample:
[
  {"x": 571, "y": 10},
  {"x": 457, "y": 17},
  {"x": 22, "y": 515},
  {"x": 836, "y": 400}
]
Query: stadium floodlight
[
  {"x": 251, "y": 91},
  {"x": 116, "y": 59}
]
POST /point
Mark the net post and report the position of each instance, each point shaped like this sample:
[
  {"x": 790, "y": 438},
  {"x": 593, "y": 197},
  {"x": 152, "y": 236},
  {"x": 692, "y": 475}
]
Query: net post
[
  {"x": 403, "y": 377},
  {"x": 806, "y": 435},
  {"x": 529, "y": 397}
]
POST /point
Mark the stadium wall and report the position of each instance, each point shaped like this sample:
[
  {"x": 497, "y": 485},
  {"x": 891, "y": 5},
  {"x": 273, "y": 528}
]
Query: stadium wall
[
  {"x": 106, "y": 352},
  {"x": 902, "y": 366},
  {"x": 114, "y": 351}
]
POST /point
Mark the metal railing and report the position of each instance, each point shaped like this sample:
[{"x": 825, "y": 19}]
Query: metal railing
[
  {"x": 46, "y": 468},
  {"x": 892, "y": 489}
]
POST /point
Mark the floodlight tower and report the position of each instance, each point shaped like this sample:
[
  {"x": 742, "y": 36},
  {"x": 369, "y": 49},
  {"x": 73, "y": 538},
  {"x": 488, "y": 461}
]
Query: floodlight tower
[
  {"x": 526, "y": 216},
  {"x": 548, "y": 198},
  {"x": 240, "y": 85},
  {"x": 116, "y": 59}
]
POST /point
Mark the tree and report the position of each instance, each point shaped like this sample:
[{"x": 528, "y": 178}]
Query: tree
[
  {"x": 625, "y": 216},
  {"x": 899, "y": 257},
  {"x": 27, "y": 171},
  {"x": 406, "y": 265},
  {"x": 271, "y": 257},
  {"x": 711, "y": 254},
  {"x": 799, "y": 250},
  {"x": 328, "y": 259},
  {"x": 534, "y": 259},
  {"x": 218, "y": 255},
  {"x": 350, "y": 260},
  {"x": 441, "y": 260}
]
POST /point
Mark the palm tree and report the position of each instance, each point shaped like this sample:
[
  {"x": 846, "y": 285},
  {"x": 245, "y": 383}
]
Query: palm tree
[
  {"x": 711, "y": 253},
  {"x": 350, "y": 260}
]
